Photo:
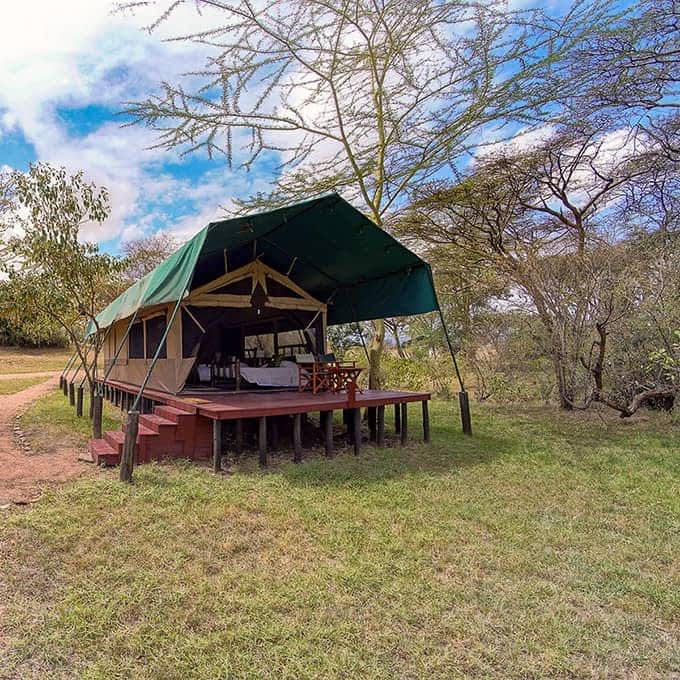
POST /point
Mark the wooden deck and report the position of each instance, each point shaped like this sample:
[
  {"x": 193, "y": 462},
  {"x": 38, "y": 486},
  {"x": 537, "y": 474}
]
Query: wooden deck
[
  {"x": 190, "y": 425},
  {"x": 235, "y": 405}
]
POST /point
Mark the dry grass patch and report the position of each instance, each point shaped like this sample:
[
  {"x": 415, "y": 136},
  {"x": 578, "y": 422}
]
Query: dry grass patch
[{"x": 24, "y": 360}]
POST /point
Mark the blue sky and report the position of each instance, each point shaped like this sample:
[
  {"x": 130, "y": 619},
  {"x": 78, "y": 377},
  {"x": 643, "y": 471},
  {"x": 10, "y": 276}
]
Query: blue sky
[{"x": 66, "y": 69}]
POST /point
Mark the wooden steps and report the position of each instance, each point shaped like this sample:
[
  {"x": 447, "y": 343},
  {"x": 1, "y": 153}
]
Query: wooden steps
[{"x": 168, "y": 432}]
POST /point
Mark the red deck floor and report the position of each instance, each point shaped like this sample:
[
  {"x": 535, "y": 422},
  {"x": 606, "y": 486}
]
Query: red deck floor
[{"x": 235, "y": 405}]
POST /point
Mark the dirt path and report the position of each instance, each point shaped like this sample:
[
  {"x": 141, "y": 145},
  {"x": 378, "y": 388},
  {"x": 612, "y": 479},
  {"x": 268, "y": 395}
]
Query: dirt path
[
  {"x": 22, "y": 475},
  {"x": 33, "y": 374}
]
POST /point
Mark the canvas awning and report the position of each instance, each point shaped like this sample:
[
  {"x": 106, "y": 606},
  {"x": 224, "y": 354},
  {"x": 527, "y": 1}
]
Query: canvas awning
[{"x": 325, "y": 245}]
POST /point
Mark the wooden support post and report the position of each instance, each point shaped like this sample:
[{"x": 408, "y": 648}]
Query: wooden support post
[
  {"x": 380, "y": 434},
  {"x": 61, "y": 382},
  {"x": 79, "y": 401},
  {"x": 97, "y": 416},
  {"x": 371, "y": 412},
  {"x": 356, "y": 430},
  {"x": 274, "y": 434},
  {"x": 217, "y": 445},
  {"x": 238, "y": 436},
  {"x": 72, "y": 394},
  {"x": 297, "y": 437},
  {"x": 426, "y": 422},
  {"x": 404, "y": 422},
  {"x": 328, "y": 432},
  {"x": 397, "y": 418},
  {"x": 262, "y": 440},
  {"x": 465, "y": 412},
  {"x": 347, "y": 421},
  {"x": 124, "y": 401},
  {"x": 127, "y": 460},
  {"x": 64, "y": 387}
]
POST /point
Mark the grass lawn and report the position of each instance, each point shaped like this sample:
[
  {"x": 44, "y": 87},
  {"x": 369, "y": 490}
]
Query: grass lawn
[
  {"x": 12, "y": 385},
  {"x": 545, "y": 546},
  {"x": 22, "y": 360},
  {"x": 50, "y": 422}
]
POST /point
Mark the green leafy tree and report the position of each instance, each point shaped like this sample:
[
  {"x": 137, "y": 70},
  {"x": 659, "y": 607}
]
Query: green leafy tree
[{"x": 54, "y": 276}]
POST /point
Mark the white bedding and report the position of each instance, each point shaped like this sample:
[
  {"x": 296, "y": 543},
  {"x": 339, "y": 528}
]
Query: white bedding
[{"x": 285, "y": 375}]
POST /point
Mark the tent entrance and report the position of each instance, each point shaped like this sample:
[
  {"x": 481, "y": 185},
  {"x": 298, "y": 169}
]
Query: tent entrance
[{"x": 250, "y": 319}]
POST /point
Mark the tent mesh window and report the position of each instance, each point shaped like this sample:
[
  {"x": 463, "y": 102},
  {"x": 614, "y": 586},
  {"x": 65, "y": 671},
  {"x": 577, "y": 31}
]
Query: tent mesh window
[
  {"x": 136, "y": 344},
  {"x": 155, "y": 328}
]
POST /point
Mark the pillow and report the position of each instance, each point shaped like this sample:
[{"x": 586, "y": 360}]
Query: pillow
[{"x": 304, "y": 358}]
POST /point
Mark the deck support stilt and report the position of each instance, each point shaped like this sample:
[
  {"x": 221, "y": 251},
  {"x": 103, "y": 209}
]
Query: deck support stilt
[
  {"x": 328, "y": 432},
  {"x": 297, "y": 438},
  {"x": 274, "y": 434},
  {"x": 238, "y": 437},
  {"x": 404, "y": 423},
  {"x": 127, "y": 461},
  {"x": 397, "y": 419},
  {"x": 217, "y": 445},
  {"x": 371, "y": 413},
  {"x": 64, "y": 387},
  {"x": 79, "y": 401},
  {"x": 262, "y": 440},
  {"x": 380, "y": 426},
  {"x": 356, "y": 430},
  {"x": 426, "y": 421},
  {"x": 72, "y": 394},
  {"x": 97, "y": 403}
]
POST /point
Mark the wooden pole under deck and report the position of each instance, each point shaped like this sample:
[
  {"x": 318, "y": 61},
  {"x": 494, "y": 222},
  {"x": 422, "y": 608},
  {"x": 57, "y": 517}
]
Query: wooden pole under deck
[
  {"x": 404, "y": 422},
  {"x": 262, "y": 440},
  {"x": 79, "y": 401},
  {"x": 371, "y": 412},
  {"x": 72, "y": 394},
  {"x": 426, "y": 421},
  {"x": 238, "y": 436},
  {"x": 328, "y": 432},
  {"x": 397, "y": 418},
  {"x": 217, "y": 445},
  {"x": 297, "y": 438},
  {"x": 380, "y": 433},
  {"x": 97, "y": 416},
  {"x": 356, "y": 430}
]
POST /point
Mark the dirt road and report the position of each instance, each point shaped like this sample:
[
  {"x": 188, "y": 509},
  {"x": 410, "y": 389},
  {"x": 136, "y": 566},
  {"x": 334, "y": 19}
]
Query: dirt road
[{"x": 24, "y": 475}]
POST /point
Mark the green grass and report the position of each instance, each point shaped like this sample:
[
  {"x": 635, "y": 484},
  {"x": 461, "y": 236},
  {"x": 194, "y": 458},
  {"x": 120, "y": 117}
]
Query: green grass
[
  {"x": 50, "y": 422},
  {"x": 23, "y": 360},
  {"x": 13, "y": 385},
  {"x": 545, "y": 546}
]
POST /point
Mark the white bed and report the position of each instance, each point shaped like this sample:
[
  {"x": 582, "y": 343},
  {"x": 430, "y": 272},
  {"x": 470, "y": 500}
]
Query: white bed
[{"x": 285, "y": 375}]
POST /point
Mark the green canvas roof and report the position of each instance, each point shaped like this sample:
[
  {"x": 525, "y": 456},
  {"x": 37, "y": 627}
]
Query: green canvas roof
[{"x": 332, "y": 251}]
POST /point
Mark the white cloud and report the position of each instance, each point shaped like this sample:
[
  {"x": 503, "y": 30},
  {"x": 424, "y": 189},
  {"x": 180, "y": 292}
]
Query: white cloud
[{"x": 77, "y": 53}]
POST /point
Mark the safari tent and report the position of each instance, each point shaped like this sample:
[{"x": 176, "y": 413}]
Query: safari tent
[{"x": 246, "y": 293}]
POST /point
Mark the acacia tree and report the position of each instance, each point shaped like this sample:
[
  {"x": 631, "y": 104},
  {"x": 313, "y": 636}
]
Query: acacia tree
[
  {"x": 365, "y": 97},
  {"x": 633, "y": 66},
  {"x": 53, "y": 274},
  {"x": 141, "y": 256},
  {"x": 539, "y": 220}
]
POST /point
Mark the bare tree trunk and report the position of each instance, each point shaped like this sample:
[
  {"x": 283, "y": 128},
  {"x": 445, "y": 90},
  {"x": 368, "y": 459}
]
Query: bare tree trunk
[
  {"x": 375, "y": 349},
  {"x": 397, "y": 342}
]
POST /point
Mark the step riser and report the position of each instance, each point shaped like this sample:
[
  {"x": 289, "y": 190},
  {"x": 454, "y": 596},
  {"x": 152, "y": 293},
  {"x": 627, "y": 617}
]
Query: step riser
[{"x": 181, "y": 435}]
